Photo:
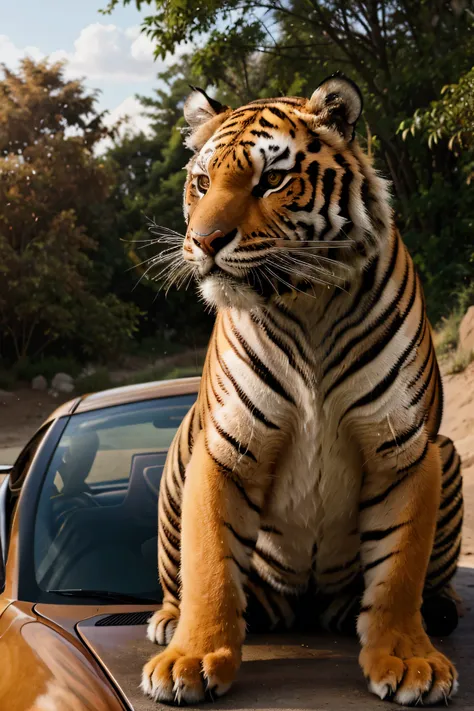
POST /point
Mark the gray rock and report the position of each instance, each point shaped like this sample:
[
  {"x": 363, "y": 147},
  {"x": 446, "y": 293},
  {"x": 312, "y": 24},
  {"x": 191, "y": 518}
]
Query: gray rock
[
  {"x": 466, "y": 331},
  {"x": 6, "y": 396},
  {"x": 39, "y": 383},
  {"x": 64, "y": 387},
  {"x": 63, "y": 383}
]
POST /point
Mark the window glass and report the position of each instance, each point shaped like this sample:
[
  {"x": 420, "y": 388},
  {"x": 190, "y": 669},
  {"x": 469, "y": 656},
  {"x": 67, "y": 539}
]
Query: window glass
[{"x": 96, "y": 524}]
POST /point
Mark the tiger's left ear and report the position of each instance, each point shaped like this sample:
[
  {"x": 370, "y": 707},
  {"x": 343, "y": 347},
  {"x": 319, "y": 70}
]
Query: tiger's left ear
[
  {"x": 338, "y": 103},
  {"x": 204, "y": 115}
]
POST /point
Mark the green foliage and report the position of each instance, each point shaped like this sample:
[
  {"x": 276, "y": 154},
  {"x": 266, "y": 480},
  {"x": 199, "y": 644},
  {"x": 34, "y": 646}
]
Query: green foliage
[
  {"x": 25, "y": 369},
  {"x": 99, "y": 380},
  {"x": 450, "y": 117},
  {"x": 50, "y": 185},
  {"x": 447, "y": 335},
  {"x": 149, "y": 189},
  {"x": 401, "y": 55},
  {"x": 165, "y": 372},
  {"x": 460, "y": 362}
]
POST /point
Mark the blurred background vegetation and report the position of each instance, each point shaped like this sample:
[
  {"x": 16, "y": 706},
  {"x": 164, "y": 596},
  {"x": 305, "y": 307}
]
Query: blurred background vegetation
[{"x": 74, "y": 216}]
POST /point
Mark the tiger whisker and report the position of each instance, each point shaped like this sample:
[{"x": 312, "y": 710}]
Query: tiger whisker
[{"x": 287, "y": 260}]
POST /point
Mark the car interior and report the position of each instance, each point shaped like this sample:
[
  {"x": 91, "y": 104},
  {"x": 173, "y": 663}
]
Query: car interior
[
  {"x": 100, "y": 535},
  {"x": 113, "y": 533}
]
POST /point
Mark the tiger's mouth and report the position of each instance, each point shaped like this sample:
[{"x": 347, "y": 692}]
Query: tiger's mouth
[{"x": 223, "y": 290}]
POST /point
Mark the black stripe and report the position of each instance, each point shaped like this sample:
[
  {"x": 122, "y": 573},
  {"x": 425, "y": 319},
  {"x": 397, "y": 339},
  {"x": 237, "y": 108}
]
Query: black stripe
[
  {"x": 378, "y": 561},
  {"x": 171, "y": 555},
  {"x": 271, "y": 529},
  {"x": 454, "y": 475},
  {"x": 286, "y": 350},
  {"x": 447, "y": 464},
  {"x": 381, "y": 533},
  {"x": 366, "y": 288},
  {"x": 230, "y": 474},
  {"x": 380, "y": 320},
  {"x": 182, "y": 468},
  {"x": 419, "y": 394},
  {"x": 389, "y": 379},
  {"x": 313, "y": 173},
  {"x": 341, "y": 568},
  {"x": 260, "y": 134},
  {"x": 170, "y": 580},
  {"x": 341, "y": 581},
  {"x": 450, "y": 537},
  {"x": 247, "y": 542},
  {"x": 451, "y": 514},
  {"x": 406, "y": 472},
  {"x": 240, "y": 448},
  {"x": 243, "y": 570},
  {"x": 174, "y": 540},
  {"x": 366, "y": 285},
  {"x": 274, "y": 563},
  {"x": 449, "y": 499},
  {"x": 329, "y": 179},
  {"x": 259, "y": 367},
  {"x": 168, "y": 499},
  {"x": 281, "y": 114},
  {"x": 301, "y": 352},
  {"x": 214, "y": 392},
  {"x": 291, "y": 317},
  {"x": 247, "y": 157},
  {"x": 266, "y": 124},
  {"x": 190, "y": 430},
  {"x": 281, "y": 156},
  {"x": 417, "y": 377},
  {"x": 254, "y": 411},
  {"x": 403, "y": 437},
  {"x": 447, "y": 565}
]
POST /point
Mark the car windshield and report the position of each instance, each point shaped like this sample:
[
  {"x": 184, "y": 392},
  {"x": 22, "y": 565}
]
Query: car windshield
[{"x": 96, "y": 522}]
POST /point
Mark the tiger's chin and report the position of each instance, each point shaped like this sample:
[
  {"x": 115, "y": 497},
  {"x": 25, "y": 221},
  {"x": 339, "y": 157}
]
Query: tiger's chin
[{"x": 222, "y": 291}]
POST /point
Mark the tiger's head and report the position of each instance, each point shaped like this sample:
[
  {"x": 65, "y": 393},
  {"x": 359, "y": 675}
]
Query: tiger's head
[{"x": 278, "y": 196}]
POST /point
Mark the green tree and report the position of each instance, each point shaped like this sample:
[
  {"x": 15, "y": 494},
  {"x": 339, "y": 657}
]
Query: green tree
[
  {"x": 149, "y": 188},
  {"x": 50, "y": 184},
  {"x": 400, "y": 53}
]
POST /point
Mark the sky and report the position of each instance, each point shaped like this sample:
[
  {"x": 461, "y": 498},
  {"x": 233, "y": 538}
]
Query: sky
[{"x": 108, "y": 51}]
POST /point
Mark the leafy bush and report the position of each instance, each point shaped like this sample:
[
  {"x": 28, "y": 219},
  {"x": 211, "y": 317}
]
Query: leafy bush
[
  {"x": 7, "y": 379},
  {"x": 26, "y": 369},
  {"x": 460, "y": 362},
  {"x": 99, "y": 380}
]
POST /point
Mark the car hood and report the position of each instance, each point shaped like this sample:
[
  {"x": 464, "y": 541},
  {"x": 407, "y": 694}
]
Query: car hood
[{"x": 289, "y": 672}]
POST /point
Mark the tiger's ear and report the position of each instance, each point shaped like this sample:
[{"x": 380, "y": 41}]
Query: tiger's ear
[
  {"x": 338, "y": 103},
  {"x": 204, "y": 115}
]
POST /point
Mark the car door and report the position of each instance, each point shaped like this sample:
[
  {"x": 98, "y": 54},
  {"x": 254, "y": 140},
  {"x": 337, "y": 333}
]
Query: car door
[{"x": 10, "y": 488}]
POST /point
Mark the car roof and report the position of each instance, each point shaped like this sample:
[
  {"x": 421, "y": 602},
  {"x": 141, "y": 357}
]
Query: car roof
[{"x": 127, "y": 394}]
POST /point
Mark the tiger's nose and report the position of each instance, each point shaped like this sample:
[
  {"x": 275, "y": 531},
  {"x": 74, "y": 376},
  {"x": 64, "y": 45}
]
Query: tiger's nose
[{"x": 212, "y": 242}]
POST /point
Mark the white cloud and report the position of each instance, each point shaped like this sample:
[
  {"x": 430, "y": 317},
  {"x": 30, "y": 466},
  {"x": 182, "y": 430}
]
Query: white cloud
[
  {"x": 10, "y": 54},
  {"x": 109, "y": 52},
  {"x": 135, "y": 121},
  {"x": 101, "y": 52}
]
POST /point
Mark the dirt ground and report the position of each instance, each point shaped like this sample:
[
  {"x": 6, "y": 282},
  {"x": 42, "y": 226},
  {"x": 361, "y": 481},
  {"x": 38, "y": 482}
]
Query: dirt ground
[{"x": 23, "y": 411}]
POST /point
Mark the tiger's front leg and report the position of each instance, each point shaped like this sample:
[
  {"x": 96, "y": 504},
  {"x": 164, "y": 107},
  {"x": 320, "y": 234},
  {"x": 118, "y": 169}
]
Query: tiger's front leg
[
  {"x": 220, "y": 520},
  {"x": 397, "y": 525}
]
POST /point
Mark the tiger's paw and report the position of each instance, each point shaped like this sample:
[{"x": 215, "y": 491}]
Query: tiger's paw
[
  {"x": 409, "y": 680},
  {"x": 161, "y": 626},
  {"x": 180, "y": 678}
]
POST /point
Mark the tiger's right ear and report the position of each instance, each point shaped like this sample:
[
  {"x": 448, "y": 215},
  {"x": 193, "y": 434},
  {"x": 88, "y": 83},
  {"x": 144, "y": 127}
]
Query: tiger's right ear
[{"x": 204, "y": 115}]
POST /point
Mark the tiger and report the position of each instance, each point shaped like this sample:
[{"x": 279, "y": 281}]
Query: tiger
[{"x": 308, "y": 484}]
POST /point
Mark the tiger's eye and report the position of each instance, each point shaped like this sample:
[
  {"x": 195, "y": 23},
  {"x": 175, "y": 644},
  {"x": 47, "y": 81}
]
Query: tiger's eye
[
  {"x": 203, "y": 183},
  {"x": 274, "y": 178}
]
